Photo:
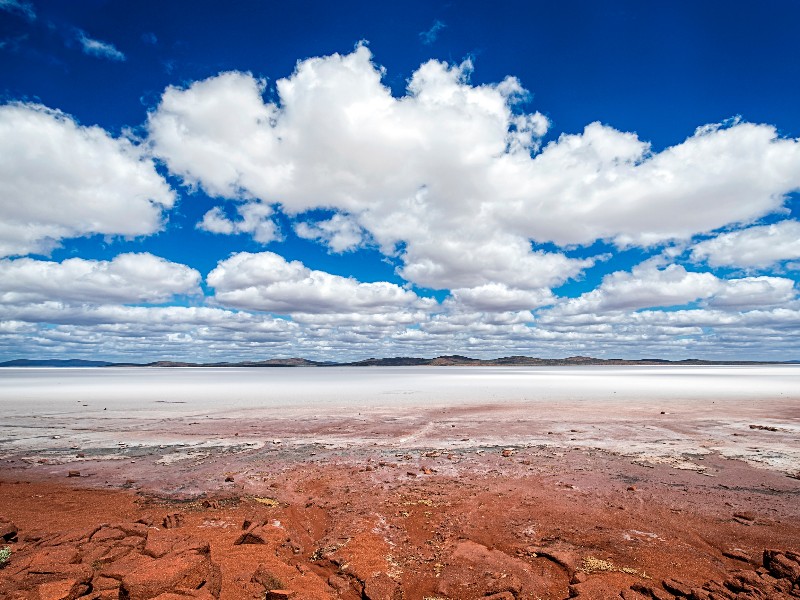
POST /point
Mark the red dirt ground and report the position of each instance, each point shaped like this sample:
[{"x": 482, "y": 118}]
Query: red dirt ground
[{"x": 537, "y": 523}]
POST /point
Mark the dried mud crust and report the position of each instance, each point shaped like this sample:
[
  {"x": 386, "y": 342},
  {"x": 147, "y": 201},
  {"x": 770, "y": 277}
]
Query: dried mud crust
[{"x": 422, "y": 524}]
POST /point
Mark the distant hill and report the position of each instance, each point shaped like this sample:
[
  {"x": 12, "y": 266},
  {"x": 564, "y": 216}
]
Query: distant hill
[
  {"x": 398, "y": 361},
  {"x": 454, "y": 360},
  {"x": 527, "y": 361},
  {"x": 71, "y": 362},
  {"x": 274, "y": 362}
]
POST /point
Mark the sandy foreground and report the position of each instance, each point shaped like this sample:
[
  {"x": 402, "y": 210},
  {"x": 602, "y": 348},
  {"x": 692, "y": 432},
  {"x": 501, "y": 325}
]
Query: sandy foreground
[{"x": 676, "y": 495}]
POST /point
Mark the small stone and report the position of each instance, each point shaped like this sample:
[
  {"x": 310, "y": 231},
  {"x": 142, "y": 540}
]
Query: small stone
[
  {"x": 73, "y": 473},
  {"x": 411, "y": 474},
  {"x": 8, "y": 531},
  {"x": 187, "y": 570},
  {"x": 679, "y": 588},
  {"x": 579, "y": 577},
  {"x": 105, "y": 584},
  {"x": 764, "y": 427},
  {"x": 80, "y": 455},
  {"x": 266, "y": 578},
  {"x": 339, "y": 584},
  {"x": 107, "y": 534},
  {"x": 736, "y": 555},
  {"x": 161, "y": 543},
  {"x": 229, "y": 479},
  {"x": 279, "y": 595},
  {"x": 172, "y": 521},
  {"x": 631, "y": 488},
  {"x": 652, "y": 592},
  {"x": 254, "y": 535},
  {"x": 65, "y": 589},
  {"x": 782, "y": 564},
  {"x": 507, "y": 452},
  {"x": 293, "y": 546},
  {"x": 744, "y": 516}
]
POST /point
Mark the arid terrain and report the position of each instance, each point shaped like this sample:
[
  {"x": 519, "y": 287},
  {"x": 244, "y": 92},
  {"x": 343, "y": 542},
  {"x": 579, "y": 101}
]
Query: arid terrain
[{"x": 478, "y": 501}]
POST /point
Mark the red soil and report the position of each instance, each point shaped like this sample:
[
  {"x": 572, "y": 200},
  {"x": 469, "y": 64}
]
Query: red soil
[{"x": 368, "y": 524}]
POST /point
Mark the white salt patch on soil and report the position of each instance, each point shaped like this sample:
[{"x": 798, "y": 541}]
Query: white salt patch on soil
[{"x": 169, "y": 459}]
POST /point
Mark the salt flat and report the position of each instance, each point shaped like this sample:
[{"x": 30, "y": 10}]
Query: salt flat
[
  {"x": 671, "y": 413},
  {"x": 27, "y": 390}
]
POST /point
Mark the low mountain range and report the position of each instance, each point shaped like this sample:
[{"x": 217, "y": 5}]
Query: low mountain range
[{"x": 398, "y": 361}]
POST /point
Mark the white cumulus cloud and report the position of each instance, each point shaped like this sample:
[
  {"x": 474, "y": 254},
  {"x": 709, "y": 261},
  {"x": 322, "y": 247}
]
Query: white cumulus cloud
[
  {"x": 405, "y": 170},
  {"x": 451, "y": 176},
  {"x": 606, "y": 184},
  {"x": 340, "y": 233},
  {"x": 755, "y": 247},
  {"x": 649, "y": 286},
  {"x": 497, "y": 297},
  {"x": 59, "y": 180},
  {"x": 127, "y": 278},
  {"x": 267, "y": 282},
  {"x": 646, "y": 286},
  {"x": 754, "y": 292},
  {"x": 254, "y": 218}
]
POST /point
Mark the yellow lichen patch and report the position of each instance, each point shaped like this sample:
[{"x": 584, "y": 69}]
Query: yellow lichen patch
[
  {"x": 593, "y": 565},
  {"x": 423, "y": 502},
  {"x": 266, "y": 501},
  {"x": 395, "y": 570}
]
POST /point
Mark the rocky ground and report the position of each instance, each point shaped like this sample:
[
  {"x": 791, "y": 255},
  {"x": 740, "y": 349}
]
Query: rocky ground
[{"x": 379, "y": 523}]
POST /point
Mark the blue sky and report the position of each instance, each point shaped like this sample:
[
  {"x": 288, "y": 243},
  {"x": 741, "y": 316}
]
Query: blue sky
[{"x": 224, "y": 181}]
